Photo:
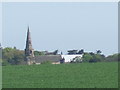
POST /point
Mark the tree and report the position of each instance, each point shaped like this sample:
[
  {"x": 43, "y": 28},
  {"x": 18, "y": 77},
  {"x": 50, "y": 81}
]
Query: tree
[
  {"x": 99, "y": 51},
  {"x": 81, "y": 51},
  {"x": 12, "y": 56},
  {"x": 87, "y": 57},
  {"x": 77, "y": 59},
  {"x": 18, "y": 57},
  {"x": 38, "y": 53},
  {"x": 119, "y": 57},
  {"x": 114, "y": 57},
  {"x": 98, "y": 58},
  {"x": 46, "y": 62},
  {"x": 92, "y": 57}
]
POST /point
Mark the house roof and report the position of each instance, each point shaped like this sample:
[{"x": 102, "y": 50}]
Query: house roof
[{"x": 52, "y": 58}]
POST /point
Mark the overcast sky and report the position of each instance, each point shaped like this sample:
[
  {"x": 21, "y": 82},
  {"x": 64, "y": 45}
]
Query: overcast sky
[{"x": 63, "y": 26}]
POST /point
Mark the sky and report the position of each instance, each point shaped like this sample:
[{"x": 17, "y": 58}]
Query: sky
[{"x": 64, "y": 26}]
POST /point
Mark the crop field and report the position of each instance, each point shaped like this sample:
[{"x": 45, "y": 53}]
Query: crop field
[{"x": 84, "y": 75}]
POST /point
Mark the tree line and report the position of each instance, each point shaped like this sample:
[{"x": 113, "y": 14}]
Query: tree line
[{"x": 14, "y": 56}]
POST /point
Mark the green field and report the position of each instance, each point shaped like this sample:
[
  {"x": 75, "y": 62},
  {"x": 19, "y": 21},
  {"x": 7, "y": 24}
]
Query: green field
[{"x": 84, "y": 75}]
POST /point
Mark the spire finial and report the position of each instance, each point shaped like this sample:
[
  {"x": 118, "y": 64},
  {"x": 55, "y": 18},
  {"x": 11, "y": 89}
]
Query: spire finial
[{"x": 28, "y": 28}]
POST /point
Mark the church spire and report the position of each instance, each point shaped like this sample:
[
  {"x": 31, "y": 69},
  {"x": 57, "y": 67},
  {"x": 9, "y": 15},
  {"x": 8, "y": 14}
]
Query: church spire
[
  {"x": 28, "y": 41},
  {"x": 29, "y": 52}
]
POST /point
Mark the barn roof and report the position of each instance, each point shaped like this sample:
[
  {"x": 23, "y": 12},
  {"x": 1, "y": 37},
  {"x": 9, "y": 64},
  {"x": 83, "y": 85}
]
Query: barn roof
[{"x": 52, "y": 58}]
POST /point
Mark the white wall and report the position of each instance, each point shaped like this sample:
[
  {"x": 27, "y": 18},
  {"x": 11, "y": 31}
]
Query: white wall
[{"x": 68, "y": 58}]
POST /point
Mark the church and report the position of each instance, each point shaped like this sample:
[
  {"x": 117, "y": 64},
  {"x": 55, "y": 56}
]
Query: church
[{"x": 30, "y": 58}]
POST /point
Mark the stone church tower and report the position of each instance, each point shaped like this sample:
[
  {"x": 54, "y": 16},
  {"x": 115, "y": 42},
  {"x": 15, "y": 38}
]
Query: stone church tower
[{"x": 29, "y": 51}]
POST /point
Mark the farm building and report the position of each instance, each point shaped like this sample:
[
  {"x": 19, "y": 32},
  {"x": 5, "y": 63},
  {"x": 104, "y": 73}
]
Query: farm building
[
  {"x": 54, "y": 59},
  {"x": 69, "y": 58}
]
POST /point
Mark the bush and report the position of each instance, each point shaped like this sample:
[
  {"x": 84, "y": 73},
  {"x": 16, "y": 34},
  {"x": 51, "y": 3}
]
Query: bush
[
  {"x": 76, "y": 60},
  {"x": 12, "y": 56},
  {"x": 86, "y": 57},
  {"x": 92, "y": 57},
  {"x": 5, "y": 63},
  {"x": 92, "y": 60},
  {"x": 46, "y": 62},
  {"x": 114, "y": 57}
]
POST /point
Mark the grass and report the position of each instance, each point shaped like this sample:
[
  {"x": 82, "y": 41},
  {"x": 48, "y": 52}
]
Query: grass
[{"x": 84, "y": 75}]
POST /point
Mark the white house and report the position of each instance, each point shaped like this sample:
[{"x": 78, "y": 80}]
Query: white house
[{"x": 69, "y": 58}]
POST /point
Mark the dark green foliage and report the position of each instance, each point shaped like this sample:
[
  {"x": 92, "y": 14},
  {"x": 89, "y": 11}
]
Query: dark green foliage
[
  {"x": 38, "y": 53},
  {"x": 46, "y": 62},
  {"x": 99, "y": 52},
  {"x": 114, "y": 57},
  {"x": 87, "y": 57},
  {"x": 119, "y": 57},
  {"x": 62, "y": 61},
  {"x": 70, "y": 52},
  {"x": 12, "y": 56},
  {"x": 76, "y": 60},
  {"x": 92, "y": 57},
  {"x": 5, "y": 62},
  {"x": 97, "y": 57},
  {"x": 84, "y": 75}
]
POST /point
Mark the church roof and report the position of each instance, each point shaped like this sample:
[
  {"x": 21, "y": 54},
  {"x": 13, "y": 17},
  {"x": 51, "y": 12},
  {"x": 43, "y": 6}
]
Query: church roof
[{"x": 52, "y": 58}]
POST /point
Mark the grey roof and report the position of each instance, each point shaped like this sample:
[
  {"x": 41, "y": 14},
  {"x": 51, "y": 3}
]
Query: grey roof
[{"x": 53, "y": 58}]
